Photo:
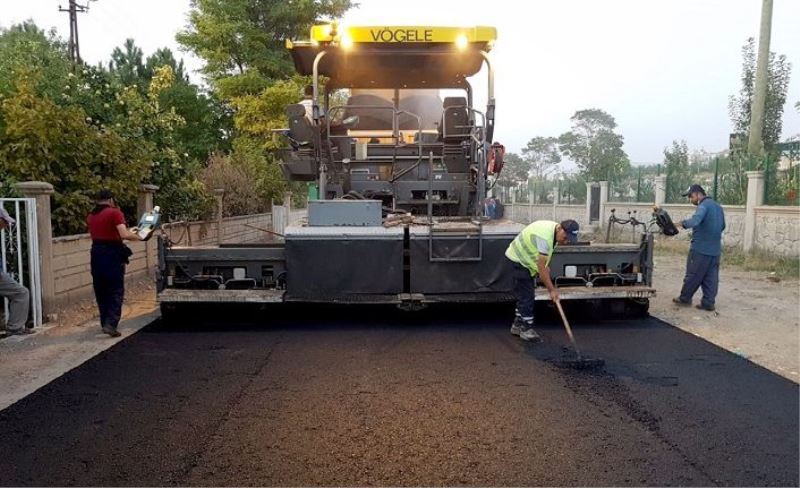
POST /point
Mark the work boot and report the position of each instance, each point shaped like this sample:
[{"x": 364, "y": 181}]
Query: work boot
[
  {"x": 707, "y": 308},
  {"x": 680, "y": 302},
  {"x": 517, "y": 326},
  {"x": 111, "y": 331},
  {"x": 528, "y": 334}
]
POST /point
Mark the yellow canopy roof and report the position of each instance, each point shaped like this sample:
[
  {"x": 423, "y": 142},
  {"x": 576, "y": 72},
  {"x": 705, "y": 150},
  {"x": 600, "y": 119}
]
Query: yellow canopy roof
[
  {"x": 394, "y": 56},
  {"x": 403, "y": 34}
]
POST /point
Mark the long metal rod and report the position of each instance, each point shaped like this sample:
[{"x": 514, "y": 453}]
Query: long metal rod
[
  {"x": 430, "y": 190},
  {"x": 265, "y": 230},
  {"x": 33, "y": 261},
  {"x": 19, "y": 245},
  {"x": 315, "y": 81},
  {"x": 323, "y": 175}
]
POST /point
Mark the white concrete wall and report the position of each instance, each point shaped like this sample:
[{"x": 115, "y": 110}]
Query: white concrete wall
[
  {"x": 734, "y": 218},
  {"x": 778, "y": 230}
]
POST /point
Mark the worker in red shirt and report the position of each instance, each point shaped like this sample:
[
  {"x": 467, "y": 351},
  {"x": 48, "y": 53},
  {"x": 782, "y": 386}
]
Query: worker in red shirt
[{"x": 109, "y": 256}]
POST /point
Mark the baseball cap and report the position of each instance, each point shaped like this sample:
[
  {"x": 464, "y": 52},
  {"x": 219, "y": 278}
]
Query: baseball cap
[
  {"x": 693, "y": 189},
  {"x": 105, "y": 195},
  {"x": 571, "y": 228},
  {"x": 4, "y": 216}
]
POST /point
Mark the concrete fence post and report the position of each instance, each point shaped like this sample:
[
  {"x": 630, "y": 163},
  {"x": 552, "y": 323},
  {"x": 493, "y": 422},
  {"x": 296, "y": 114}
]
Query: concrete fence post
[
  {"x": 603, "y": 202},
  {"x": 661, "y": 190},
  {"x": 589, "y": 185},
  {"x": 755, "y": 198},
  {"x": 530, "y": 206},
  {"x": 219, "y": 194},
  {"x": 41, "y": 191},
  {"x": 144, "y": 203},
  {"x": 555, "y": 202}
]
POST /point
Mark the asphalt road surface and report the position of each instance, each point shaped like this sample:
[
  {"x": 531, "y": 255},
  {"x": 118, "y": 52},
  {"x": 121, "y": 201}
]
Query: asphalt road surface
[{"x": 374, "y": 396}]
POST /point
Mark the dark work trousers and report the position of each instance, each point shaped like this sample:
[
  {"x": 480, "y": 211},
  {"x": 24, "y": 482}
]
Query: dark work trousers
[
  {"x": 108, "y": 279},
  {"x": 524, "y": 285},
  {"x": 701, "y": 270}
]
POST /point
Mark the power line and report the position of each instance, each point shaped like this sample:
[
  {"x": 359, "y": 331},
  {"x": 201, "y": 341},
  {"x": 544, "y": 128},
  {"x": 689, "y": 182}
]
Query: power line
[{"x": 74, "y": 46}]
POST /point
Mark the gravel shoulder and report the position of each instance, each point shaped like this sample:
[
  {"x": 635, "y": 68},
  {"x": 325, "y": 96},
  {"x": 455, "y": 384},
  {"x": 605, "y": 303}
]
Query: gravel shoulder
[{"x": 755, "y": 318}]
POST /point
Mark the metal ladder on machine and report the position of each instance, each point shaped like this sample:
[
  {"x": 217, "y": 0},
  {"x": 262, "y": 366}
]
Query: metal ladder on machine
[{"x": 445, "y": 231}]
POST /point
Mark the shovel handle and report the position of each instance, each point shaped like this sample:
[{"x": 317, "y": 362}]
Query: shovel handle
[{"x": 567, "y": 327}]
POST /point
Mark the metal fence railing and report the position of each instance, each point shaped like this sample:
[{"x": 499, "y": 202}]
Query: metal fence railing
[
  {"x": 19, "y": 252},
  {"x": 723, "y": 177},
  {"x": 567, "y": 189},
  {"x": 637, "y": 184},
  {"x": 782, "y": 176}
]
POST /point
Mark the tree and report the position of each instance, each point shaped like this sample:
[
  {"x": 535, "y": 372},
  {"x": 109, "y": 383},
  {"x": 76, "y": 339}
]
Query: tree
[
  {"x": 165, "y": 57},
  {"x": 516, "y": 172},
  {"x": 242, "y": 41},
  {"x": 594, "y": 146},
  {"x": 25, "y": 45},
  {"x": 676, "y": 163},
  {"x": 127, "y": 65},
  {"x": 739, "y": 106},
  {"x": 206, "y": 122},
  {"x": 542, "y": 155},
  {"x": 61, "y": 145}
]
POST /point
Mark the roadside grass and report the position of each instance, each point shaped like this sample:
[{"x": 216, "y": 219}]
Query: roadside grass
[{"x": 758, "y": 260}]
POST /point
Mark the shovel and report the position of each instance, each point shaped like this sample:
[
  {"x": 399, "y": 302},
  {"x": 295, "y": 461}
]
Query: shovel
[{"x": 580, "y": 362}]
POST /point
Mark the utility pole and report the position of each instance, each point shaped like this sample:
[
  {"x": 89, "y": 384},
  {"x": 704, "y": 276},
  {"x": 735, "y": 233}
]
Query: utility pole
[
  {"x": 755, "y": 145},
  {"x": 74, "y": 47}
]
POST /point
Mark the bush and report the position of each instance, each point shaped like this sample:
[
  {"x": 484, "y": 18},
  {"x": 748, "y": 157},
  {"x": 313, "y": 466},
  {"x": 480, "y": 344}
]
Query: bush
[{"x": 237, "y": 179}]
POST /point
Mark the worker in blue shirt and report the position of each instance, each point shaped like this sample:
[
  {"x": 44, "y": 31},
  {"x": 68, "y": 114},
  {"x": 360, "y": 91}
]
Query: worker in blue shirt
[{"x": 702, "y": 265}]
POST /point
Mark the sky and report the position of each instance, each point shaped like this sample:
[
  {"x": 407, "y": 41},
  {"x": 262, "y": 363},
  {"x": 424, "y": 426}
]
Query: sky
[{"x": 663, "y": 68}]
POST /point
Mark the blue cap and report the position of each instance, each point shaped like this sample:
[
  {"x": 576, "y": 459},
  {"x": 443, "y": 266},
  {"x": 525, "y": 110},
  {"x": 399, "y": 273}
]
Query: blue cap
[
  {"x": 571, "y": 228},
  {"x": 694, "y": 189}
]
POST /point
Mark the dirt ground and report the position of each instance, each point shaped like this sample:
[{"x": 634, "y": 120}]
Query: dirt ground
[{"x": 755, "y": 317}]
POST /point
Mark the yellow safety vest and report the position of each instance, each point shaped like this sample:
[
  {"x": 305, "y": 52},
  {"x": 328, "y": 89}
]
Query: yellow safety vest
[{"x": 523, "y": 248}]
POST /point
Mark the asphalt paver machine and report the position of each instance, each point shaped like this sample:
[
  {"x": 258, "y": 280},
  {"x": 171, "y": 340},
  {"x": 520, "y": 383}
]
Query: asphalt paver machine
[{"x": 402, "y": 160}]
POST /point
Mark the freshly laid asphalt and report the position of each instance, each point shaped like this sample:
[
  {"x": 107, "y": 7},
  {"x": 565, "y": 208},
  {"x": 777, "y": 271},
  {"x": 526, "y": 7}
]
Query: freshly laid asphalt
[{"x": 375, "y": 396}]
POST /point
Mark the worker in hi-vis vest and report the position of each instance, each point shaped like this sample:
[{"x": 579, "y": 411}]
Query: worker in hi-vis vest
[{"x": 530, "y": 253}]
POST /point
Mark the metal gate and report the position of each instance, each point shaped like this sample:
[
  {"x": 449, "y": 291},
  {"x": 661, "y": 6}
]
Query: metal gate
[
  {"x": 594, "y": 207},
  {"x": 19, "y": 252}
]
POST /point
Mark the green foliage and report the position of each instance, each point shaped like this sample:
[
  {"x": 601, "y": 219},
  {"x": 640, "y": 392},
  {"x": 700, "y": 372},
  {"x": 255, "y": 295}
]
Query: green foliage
[
  {"x": 24, "y": 46},
  {"x": 594, "y": 146},
  {"x": 207, "y": 122},
  {"x": 235, "y": 175},
  {"x": 636, "y": 184},
  {"x": 739, "y": 106},
  {"x": 257, "y": 115},
  {"x": 676, "y": 164},
  {"x": 138, "y": 119},
  {"x": 515, "y": 171},
  {"x": 269, "y": 181},
  {"x": 127, "y": 64},
  {"x": 244, "y": 39},
  {"x": 61, "y": 145},
  {"x": 542, "y": 156},
  {"x": 732, "y": 184},
  {"x": 782, "y": 186},
  {"x": 86, "y": 128}
]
